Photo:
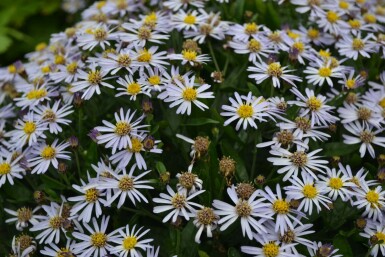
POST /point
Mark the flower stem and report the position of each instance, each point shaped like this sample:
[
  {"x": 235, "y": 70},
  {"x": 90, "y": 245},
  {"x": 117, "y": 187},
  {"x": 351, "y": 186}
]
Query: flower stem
[{"x": 213, "y": 55}]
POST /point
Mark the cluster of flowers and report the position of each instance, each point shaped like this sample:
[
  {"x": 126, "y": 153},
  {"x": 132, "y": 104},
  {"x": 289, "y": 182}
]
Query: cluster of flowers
[{"x": 119, "y": 49}]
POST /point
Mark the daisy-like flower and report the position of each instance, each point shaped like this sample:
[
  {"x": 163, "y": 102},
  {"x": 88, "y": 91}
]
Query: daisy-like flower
[
  {"x": 10, "y": 169},
  {"x": 141, "y": 143},
  {"x": 23, "y": 246},
  {"x": 115, "y": 62},
  {"x": 297, "y": 161},
  {"x": 247, "y": 210},
  {"x": 54, "y": 251},
  {"x": 187, "y": 20},
  {"x": 309, "y": 192},
  {"x": 131, "y": 87},
  {"x": 336, "y": 184},
  {"x": 351, "y": 82},
  {"x": 269, "y": 248},
  {"x": 185, "y": 92},
  {"x": 176, "y": 5},
  {"x": 323, "y": 249},
  {"x": 33, "y": 95},
  {"x": 255, "y": 48},
  {"x": 155, "y": 79},
  {"x": 331, "y": 21},
  {"x": 275, "y": 71},
  {"x": 98, "y": 36},
  {"x": 139, "y": 34},
  {"x": 352, "y": 47},
  {"x": 23, "y": 217},
  {"x": 244, "y": 32},
  {"x": 51, "y": 224},
  {"x": 90, "y": 200},
  {"x": 280, "y": 209},
  {"x": 118, "y": 136},
  {"x": 315, "y": 107},
  {"x": 322, "y": 72},
  {"x": 247, "y": 109},
  {"x": 126, "y": 186},
  {"x": 188, "y": 183},
  {"x": 191, "y": 57},
  {"x": 303, "y": 128},
  {"x": 285, "y": 139},
  {"x": 149, "y": 57},
  {"x": 91, "y": 82},
  {"x": 54, "y": 116},
  {"x": 129, "y": 242},
  {"x": 366, "y": 135},
  {"x": 96, "y": 242},
  {"x": 205, "y": 219},
  {"x": 67, "y": 73},
  {"x": 350, "y": 113},
  {"x": 47, "y": 155},
  {"x": 370, "y": 199},
  {"x": 376, "y": 230},
  {"x": 358, "y": 177},
  {"x": 177, "y": 203}
]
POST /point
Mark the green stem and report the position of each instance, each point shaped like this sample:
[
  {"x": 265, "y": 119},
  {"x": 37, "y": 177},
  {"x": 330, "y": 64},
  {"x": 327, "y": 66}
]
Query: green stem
[
  {"x": 213, "y": 55},
  {"x": 77, "y": 163},
  {"x": 226, "y": 66}
]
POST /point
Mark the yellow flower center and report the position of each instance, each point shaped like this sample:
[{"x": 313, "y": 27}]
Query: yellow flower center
[
  {"x": 270, "y": 249},
  {"x": 92, "y": 195},
  {"x": 313, "y": 103},
  {"x": 343, "y": 5},
  {"x": 380, "y": 237},
  {"x": 36, "y": 93},
  {"x": 122, "y": 128},
  {"x": 299, "y": 158},
  {"x": 335, "y": 183},
  {"x": 358, "y": 44},
  {"x": 72, "y": 67},
  {"x": 274, "y": 69},
  {"x": 351, "y": 83},
  {"x": 59, "y": 59},
  {"x": 243, "y": 208},
  {"x": 324, "y": 72},
  {"x": 55, "y": 222},
  {"x": 370, "y": 18},
  {"x": 178, "y": 201},
  {"x": 251, "y": 28},
  {"x": 29, "y": 127},
  {"x": 126, "y": 183},
  {"x": 124, "y": 60},
  {"x": 136, "y": 145},
  {"x": 99, "y": 239},
  {"x": 134, "y": 88},
  {"x": 293, "y": 35},
  {"x": 281, "y": 206},
  {"x": 254, "y": 45},
  {"x": 313, "y": 33},
  {"x": 94, "y": 77},
  {"x": 324, "y": 53},
  {"x": 332, "y": 17},
  {"x": 373, "y": 197},
  {"x": 151, "y": 18},
  {"x": 144, "y": 33},
  {"x": 189, "y": 55},
  {"x": 154, "y": 80},
  {"x": 100, "y": 4},
  {"x": 309, "y": 191},
  {"x": 189, "y": 19},
  {"x": 48, "y": 152},
  {"x": 189, "y": 94},
  {"x": 40, "y": 47},
  {"x": 5, "y": 168},
  {"x": 382, "y": 102},
  {"x": 12, "y": 69},
  {"x": 355, "y": 24},
  {"x": 144, "y": 56},
  {"x": 100, "y": 34},
  {"x": 46, "y": 69},
  {"x": 245, "y": 111},
  {"x": 129, "y": 242},
  {"x": 299, "y": 46}
]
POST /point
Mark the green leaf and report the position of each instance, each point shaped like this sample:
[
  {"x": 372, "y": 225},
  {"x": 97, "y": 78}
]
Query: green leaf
[
  {"x": 200, "y": 121},
  {"x": 203, "y": 254},
  {"x": 254, "y": 89},
  {"x": 160, "y": 167},
  {"x": 5, "y": 43},
  {"x": 232, "y": 252},
  {"x": 338, "y": 149},
  {"x": 343, "y": 245},
  {"x": 187, "y": 242}
]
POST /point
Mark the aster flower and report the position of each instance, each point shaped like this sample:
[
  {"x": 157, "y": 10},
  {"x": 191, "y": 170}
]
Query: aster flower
[
  {"x": 55, "y": 251},
  {"x": 45, "y": 155},
  {"x": 322, "y": 72},
  {"x": 54, "y": 115},
  {"x": 323, "y": 249},
  {"x": 34, "y": 95},
  {"x": 68, "y": 72},
  {"x": 262, "y": 71},
  {"x": 114, "y": 62},
  {"x": 187, "y": 20},
  {"x": 248, "y": 210},
  {"x": 303, "y": 128},
  {"x": 352, "y": 47},
  {"x": 23, "y": 217},
  {"x": 98, "y": 36},
  {"x": 150, "y": 57},
  {"x": 255, "y": 48},
  {"x": 366, "y": 135},
  {"x": 376, "y": 230},
  {"x": 125, "y": 186},
  {"x": 118, "y": 136},
  {"x": 177, "y": 203},
  {"x": 350, "y": 113},
  {"x": 95, "y": 242},
  {"x": 371, "y": 200},
  {"x": 129, "y": 242},
  {"x": 138, "y": 34},
  {"x": 268, "y": 248},
  {"x": 10, "y": 169},
  {"x": 205, "y": 219},
  {"x": 191, "y": 57},
  {"x": 245, "y": 108},
  {"x": 185, "y": 93},
  {"x": 336, "y": 184}
]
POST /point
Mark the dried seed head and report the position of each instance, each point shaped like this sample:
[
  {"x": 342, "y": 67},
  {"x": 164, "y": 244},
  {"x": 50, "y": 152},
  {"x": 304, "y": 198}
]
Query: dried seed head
[
  {"x": 201, "y": 145},
  {"x": 260, "y": 179},
  {"x": 245, "y": 190},
  {"x": 206, "y": 216},
  {"x": 187, "y": 180},
  {"x": 361, "y": 223},
  {"x": 227, "y": 166}
]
